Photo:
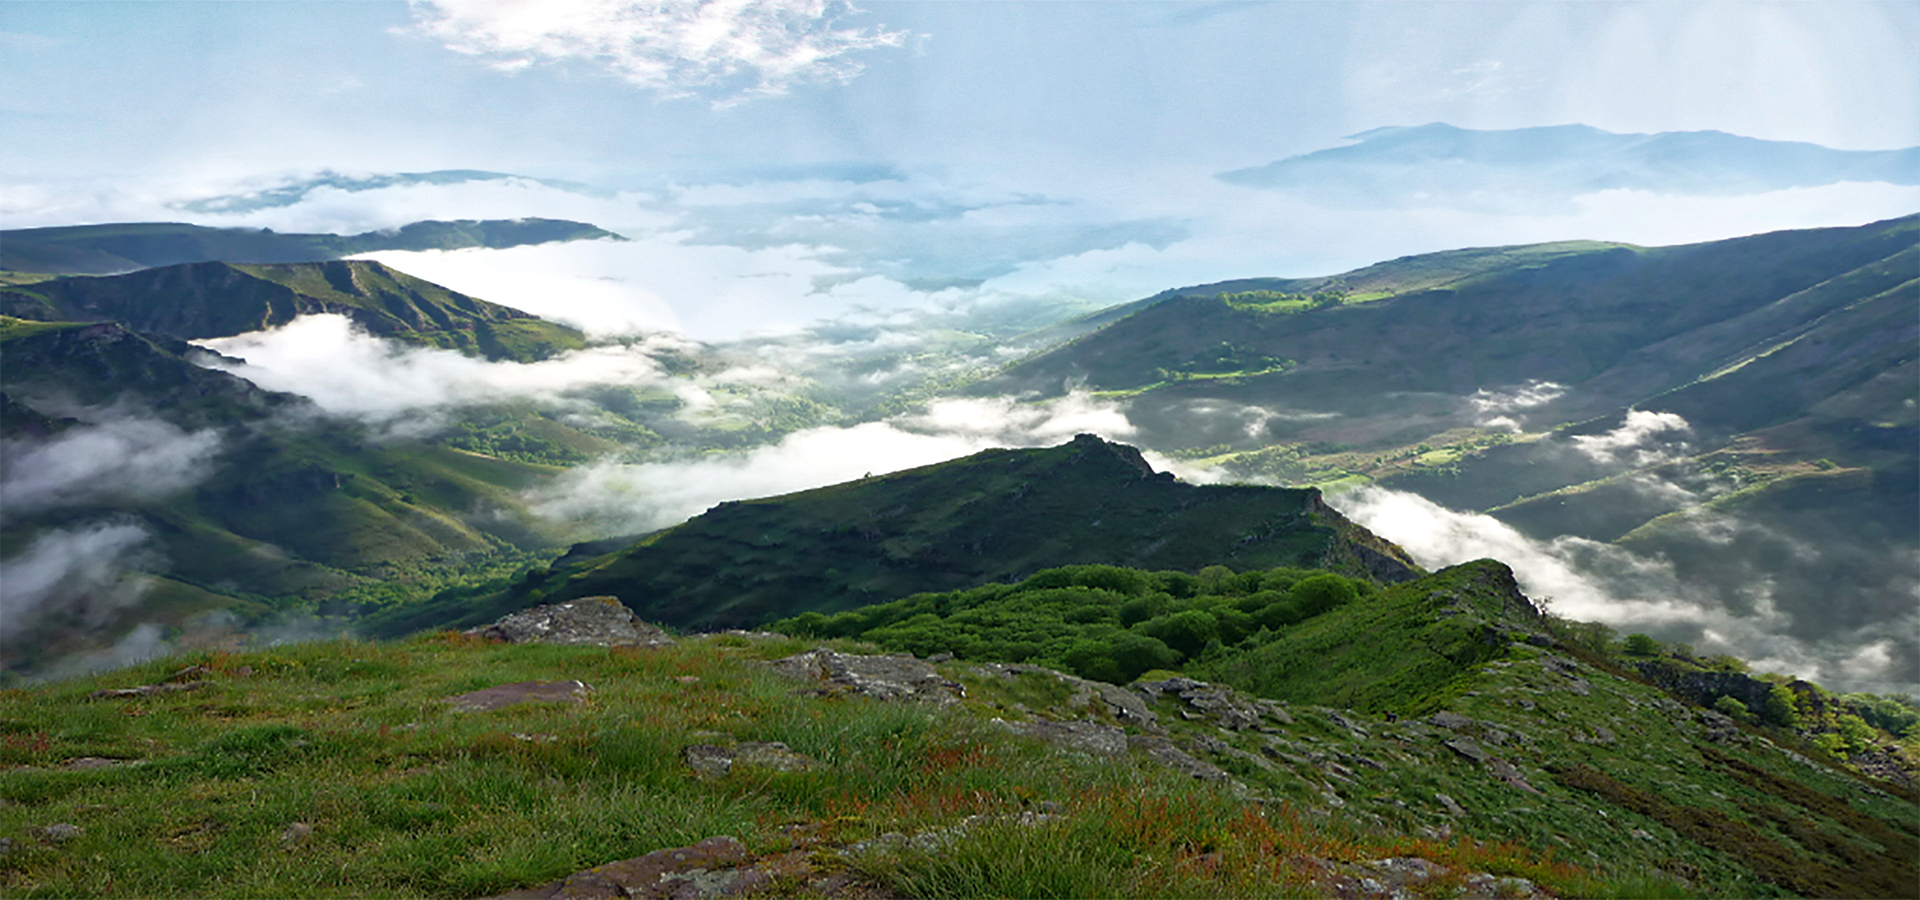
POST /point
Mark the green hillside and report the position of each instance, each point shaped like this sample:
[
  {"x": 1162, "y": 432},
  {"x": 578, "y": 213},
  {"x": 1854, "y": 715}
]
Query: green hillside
[
  {"x": 998, "y": 515},
  {"x": 217, "y": 299},
  {"x": 124, "y": 247},
  {"x": 290, "y": 510},
  {"x": 1438, "y": 738}
]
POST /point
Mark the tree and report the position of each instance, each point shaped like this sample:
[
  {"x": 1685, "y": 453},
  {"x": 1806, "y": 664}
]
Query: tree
[{"x": 1641, "y": 645}]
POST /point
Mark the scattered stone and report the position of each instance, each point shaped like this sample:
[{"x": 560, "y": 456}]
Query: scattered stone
[
  {"x": 590, "y": 621},
  {"x": 296, "y": 833},
  {"x": 1226, "y": 707},
  {"x": 1720, "y": 728},
  {"x": 1085, "y": 736},
  {"x": 879, "y": 677},
  {"x": 1506, "y": 772},
  {"x": 521, "y": 692},
  {"x": 715, "y": 867},
  {"x": 60, "y": 832},
  {"x": 1344, "y": 722},
  {"x": 6, "y": 846},
  {"x": 534, "y": 738},
  {"x": 1468, "y": 749},
  {"x": 1453, "y": 807},
  {"x": 86, "y": 763},
  {"x": 147, "y": 690},
  {"x": 1482, "y": 886},
  {"x": 1164, "y": 752},
  {"x": 1450, "y": 721},
  {"x": 715, "y": 761}
]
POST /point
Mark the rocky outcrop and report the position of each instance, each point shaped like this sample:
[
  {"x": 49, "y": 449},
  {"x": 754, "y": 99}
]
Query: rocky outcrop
[
  {"x": 592, "y": 621},
  {"x": 879, "y": 677}
]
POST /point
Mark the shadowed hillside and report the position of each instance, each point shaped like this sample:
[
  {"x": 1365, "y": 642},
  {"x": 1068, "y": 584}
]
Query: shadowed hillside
[{"x": 998, "y": 515}]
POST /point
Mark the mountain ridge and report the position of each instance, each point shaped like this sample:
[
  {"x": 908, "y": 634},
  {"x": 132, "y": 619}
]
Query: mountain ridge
[{"x": 116, "y": 248}]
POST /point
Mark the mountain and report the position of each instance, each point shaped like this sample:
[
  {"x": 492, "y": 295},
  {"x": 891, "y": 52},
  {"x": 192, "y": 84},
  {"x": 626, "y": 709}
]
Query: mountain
[
  {"x": 998, "y": 515},
  {"x": 112, "y": 249},
  {"x": 1743, "y": 408},
  {"x": 194, "y": 301},
  {"x": 1441, "y": 165}
]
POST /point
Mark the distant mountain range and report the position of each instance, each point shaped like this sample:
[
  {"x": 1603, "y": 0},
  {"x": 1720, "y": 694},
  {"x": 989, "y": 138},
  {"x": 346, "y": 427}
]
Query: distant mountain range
[
  {"x": 1441, "y": 165},
  {"x": 112, "y": 249}
]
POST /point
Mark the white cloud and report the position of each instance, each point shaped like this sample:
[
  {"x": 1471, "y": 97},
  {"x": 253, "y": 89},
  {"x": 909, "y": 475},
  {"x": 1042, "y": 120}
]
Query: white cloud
[
  {"x": 1492, "y": 407},
  {"x": 734, "y": 49},
  {"x": 346, "y": 371},
  {"x": 85, "y": 572},
  {"x": 614, "y": 498},
  {"x": 1635, "y": 439},
  {"x": 116, "y": 457},
  {"x": 1592, "y": 581}
]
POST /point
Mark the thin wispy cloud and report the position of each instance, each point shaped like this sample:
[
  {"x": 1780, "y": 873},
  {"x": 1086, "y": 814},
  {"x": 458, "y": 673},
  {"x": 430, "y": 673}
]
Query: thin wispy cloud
[
  {"x": 730, "y": 50},
  {"x": 117, "y": 457}
]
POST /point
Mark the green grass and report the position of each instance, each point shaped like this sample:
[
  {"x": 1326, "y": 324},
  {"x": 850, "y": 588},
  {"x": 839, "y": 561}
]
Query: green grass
[{"x": 406, "y": 798}]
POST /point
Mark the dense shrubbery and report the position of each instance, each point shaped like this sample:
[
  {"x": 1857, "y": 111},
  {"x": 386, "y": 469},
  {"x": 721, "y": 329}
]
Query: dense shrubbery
[{"x": 1100, "y": 622}]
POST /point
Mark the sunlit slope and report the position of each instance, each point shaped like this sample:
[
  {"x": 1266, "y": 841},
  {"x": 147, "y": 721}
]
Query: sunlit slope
[
  {"x": 124, "y": 247},
  {"x": 216, "y": 299},
  {"x": 998, "y": 515},
  {"x": 1393, "y": 357}
]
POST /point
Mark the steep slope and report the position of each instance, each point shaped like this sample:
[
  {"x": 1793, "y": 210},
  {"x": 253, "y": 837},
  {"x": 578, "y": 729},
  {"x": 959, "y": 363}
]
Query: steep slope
[
  {"x": 227, "y": 495},
  {"x": 218, "y": 299},
  {"x": 1616, "y": 324},
  {"x": 998, "y": 515},
  {"x": 125, "y": 247}
]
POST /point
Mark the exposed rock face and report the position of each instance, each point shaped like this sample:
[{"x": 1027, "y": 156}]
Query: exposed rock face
[
  {"x": 593, "y": 621},
  {"x": 521, "y": 692},
  {"x": 879, "y": 677}
]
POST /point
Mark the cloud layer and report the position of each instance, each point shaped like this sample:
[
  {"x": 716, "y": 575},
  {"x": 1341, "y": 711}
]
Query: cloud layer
[
  {"x": 119, "y": 456},
  {"x": 731, "y": 49},
  {"x": 348, "y": 372},
  {"x": 82, "y": 573},
  {"x": 610, "y": 497},
  {"x": 1587, "y": 580}
]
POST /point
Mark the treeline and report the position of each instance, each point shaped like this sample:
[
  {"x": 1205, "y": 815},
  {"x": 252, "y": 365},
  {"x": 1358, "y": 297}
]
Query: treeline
[{"x": 1100, "y": 622}]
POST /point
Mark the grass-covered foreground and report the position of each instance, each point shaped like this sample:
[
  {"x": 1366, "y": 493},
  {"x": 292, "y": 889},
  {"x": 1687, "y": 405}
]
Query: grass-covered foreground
[{"x": 212, "y": 791}]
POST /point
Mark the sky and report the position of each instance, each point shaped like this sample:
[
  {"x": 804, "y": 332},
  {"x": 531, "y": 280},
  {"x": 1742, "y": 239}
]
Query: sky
[
  {"x": 784, "y": 161},
  {"x": 806, "y": 167}
]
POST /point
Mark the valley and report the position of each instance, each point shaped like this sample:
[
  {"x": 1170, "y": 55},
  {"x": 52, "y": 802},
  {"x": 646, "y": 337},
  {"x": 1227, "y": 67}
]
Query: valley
[{"x": 1213, "y": 614}]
